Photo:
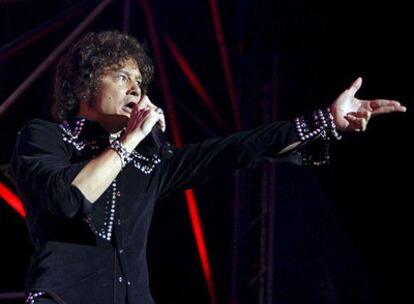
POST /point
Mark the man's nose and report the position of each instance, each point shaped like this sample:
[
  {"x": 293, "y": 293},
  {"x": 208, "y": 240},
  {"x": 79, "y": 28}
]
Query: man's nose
[{"x": 134, "y": 89}]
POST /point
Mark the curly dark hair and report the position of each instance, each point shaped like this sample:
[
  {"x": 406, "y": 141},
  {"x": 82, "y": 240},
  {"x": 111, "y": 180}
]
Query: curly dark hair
[{"x": 80, "y": 69}]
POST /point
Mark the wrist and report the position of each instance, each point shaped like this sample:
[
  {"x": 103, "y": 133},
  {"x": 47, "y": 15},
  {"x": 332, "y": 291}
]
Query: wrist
[
  {"x": 130, "y": 142},
  {"x": 122, "y": 152}
]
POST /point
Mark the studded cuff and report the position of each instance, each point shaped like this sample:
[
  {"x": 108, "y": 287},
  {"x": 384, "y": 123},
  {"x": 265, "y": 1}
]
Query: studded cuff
[
  {"x": 319, "y": 124},
  {"x": 122, "y": 152}
]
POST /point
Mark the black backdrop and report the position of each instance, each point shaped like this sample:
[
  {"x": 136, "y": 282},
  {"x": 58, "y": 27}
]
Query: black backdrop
[{"x": 360, "y": 204}]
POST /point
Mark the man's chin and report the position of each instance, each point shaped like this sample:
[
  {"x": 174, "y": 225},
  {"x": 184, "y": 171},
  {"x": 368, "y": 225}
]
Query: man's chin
[{"x": 116, "y": 122}]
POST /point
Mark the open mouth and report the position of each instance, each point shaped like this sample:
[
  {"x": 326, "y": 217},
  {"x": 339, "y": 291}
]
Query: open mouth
[{"x": 130, "y": 105}]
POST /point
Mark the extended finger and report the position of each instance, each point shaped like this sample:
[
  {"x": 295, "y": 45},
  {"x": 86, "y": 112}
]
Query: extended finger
[
  {"x": 380, "y": 106},
  {"x": 384, "y": 102},
  {"x": 388, "y": 109}
]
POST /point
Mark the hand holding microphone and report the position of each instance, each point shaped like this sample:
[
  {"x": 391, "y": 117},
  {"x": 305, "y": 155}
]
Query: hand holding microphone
[{"x": 147, "y": 118}]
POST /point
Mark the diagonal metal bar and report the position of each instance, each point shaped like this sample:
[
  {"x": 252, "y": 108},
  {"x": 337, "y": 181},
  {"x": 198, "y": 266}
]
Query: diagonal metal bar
[
  {"x": 162, "y": 72},
  {"x": 190, "y": 197},
  {"x": 37, "y": 33},
  {"x": 195, "y": 82},
  {"x": 53, "y": 56},
  {"x": 225, "y": 61}
]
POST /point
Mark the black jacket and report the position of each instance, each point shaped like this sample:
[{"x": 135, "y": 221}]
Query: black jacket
[{"x": 96, "y": 253}]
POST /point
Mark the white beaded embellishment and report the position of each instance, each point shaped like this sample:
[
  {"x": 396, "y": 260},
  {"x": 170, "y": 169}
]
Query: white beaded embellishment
[
  {"x": 105, "y": 231},
  {"x": 30, "y": 299},
  {"x": 72, "y": 137},
  {"x": 321, "y": 123},
  {"x": 123, "y": 154},
  {"x": 143, "y": 163}
]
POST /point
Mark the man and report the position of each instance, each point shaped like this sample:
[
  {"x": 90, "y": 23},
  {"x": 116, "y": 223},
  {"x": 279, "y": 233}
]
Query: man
[{"x": 90, "y": 182}]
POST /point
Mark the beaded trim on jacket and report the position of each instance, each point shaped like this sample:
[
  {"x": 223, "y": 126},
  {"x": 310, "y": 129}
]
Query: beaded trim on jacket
[
  {"x": 101, "y": 218},
  {"x": 72, "y": 136},
  {"x": 104, "y": 230},
  {"x": 319, "y": 124},
  {"x": 32, "y": 295}
]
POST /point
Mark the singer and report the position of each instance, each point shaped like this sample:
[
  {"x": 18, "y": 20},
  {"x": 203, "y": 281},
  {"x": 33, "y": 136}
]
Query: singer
[{"x": 89, "y": 181}]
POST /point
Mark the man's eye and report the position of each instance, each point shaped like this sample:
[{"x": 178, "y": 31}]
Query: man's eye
[{"x": 122, "y": 78}]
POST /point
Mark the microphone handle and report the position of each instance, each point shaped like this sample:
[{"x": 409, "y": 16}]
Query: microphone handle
[{"x": 160, "y": 140}]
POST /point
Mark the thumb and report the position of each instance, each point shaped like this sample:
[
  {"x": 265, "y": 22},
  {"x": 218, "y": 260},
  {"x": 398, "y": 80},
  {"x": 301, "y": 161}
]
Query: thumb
[{"x": 355, "y": 86}]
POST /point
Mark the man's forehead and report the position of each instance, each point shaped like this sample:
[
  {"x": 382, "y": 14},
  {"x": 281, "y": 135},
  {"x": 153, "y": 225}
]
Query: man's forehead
[{"x": 128, "y": 65}]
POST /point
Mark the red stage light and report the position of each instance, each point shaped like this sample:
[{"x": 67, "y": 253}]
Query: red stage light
[{"x": 12, "y": 199}]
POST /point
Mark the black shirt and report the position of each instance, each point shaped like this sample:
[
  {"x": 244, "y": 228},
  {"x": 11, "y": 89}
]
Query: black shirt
[{"x": 96, "y": 253}]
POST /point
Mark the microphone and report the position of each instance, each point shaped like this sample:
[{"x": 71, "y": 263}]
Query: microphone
[{"x": 160, "y": 140}]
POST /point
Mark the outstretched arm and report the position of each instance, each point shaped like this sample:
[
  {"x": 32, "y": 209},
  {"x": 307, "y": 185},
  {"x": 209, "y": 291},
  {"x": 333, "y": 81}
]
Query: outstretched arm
[{"x": 353, "y": 114}]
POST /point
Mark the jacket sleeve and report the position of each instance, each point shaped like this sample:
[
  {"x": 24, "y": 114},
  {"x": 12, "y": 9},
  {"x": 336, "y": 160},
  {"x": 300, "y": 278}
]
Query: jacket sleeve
[
  {"x": 43, "y": 171},
  {"x": 195, "y": 162}
]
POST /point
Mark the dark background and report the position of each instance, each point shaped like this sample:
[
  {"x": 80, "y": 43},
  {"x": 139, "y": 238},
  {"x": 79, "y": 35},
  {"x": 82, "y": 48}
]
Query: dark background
[{"x": 342, "y": 233}]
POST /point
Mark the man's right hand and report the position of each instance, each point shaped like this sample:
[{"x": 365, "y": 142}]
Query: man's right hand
[{"x": 144, "y": 116}]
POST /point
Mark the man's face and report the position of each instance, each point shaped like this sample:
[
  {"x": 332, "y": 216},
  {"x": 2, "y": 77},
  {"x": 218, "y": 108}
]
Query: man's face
[{"x": 118, "y": 91}]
